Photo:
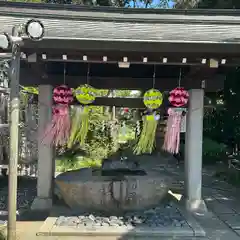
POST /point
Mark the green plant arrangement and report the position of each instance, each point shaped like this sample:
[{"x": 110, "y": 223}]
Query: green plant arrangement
[
  {"x": 146, "y": 142},
  {"x": 80, "y": 125},
  {"x": 152, "y": 99},
  {"x": 2, "y": 233}
]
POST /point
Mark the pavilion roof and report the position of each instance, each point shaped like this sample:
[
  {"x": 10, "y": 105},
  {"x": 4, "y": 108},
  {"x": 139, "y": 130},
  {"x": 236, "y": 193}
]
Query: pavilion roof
[{"x": 118, "y": 24}]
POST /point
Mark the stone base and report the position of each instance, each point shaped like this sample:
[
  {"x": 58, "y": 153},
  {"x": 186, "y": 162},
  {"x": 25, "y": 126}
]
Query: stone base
[
  {"x": 41, "y": 204},
  {"x": 196, "y": 206},
  {"x": 55, "y": 226}
]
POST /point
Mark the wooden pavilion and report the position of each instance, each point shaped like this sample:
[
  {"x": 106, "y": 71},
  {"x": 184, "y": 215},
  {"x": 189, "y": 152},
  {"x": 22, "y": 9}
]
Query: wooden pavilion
[{"x": 203, "y": 44}]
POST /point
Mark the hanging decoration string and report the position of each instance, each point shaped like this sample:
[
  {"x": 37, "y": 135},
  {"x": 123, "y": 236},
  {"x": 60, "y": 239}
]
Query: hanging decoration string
[
  {"x": 180, "y": 77},
  {"x": 154, "y": 75},
  {"x": 57, "y": 132},
  {"x": 80, "y": 121},
  {"x": 178, "y": 98},
  {"x": 85, "y": 94},
  {"x": 88, "y": 71},
  {"x": 152, "y": 100},
  {"x": 64, "y": 74}
]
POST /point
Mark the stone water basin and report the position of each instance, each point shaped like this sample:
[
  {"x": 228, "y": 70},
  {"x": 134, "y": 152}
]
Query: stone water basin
[{"x": 111, "y": 192}]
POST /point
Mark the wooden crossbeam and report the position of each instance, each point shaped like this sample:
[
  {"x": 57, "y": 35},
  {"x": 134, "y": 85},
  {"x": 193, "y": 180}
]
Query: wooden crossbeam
[
  {"x": 163, "y": 84},
  {"x": 119, "y": 102}
]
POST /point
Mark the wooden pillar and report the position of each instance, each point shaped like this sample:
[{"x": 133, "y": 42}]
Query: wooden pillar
[
  {"x": 14, "y": 141},
  {"x": 45, "y": 152},
  {"x": 193, "y": 151}
]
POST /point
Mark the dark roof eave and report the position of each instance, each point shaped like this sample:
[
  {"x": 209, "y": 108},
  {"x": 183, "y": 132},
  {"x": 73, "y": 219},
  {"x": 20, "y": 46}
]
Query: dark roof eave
[
  {"x": 66, "y": 44},
  {"x": 139, "y": 41}
]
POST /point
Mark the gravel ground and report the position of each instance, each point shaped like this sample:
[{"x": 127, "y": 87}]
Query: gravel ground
[
  {"x": 162, "y": 216},
  {"x": 25, "y": 194}
]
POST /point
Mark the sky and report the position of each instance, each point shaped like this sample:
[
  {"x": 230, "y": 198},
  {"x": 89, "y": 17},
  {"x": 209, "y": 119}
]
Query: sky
[{"x": 170, "y": 4}]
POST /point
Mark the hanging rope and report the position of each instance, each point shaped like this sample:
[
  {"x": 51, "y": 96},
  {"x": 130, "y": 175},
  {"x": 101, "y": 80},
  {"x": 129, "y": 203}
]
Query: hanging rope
[
  {"x": 154, "y": 75},
  {"x": 64, "y": 74},
  {"x": 180, "y": 77},
  {"x": 88, "y": 72}
]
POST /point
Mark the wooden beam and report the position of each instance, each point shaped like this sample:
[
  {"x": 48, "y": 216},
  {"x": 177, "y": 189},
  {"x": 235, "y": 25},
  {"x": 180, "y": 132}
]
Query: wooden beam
[
  {"x": 208, "y": 78},
  {"x": 119, "y": 102},
  {"x": 136, "y": 103},
  {"x": 134, "y": 57},
  {"x": 163, "y": 84}
]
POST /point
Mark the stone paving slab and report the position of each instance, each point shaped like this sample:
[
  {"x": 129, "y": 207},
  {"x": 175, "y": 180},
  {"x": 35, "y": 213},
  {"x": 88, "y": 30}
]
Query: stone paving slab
[
  {"x": 196, "y": 227},
  {"x": 115, "y": 238},
  {"x": 238, "y": 232},
  {"x": 219, "y": 208},
  {"x": 110, "y": 231},
  {"x": 233, "y": 220},
  {"x": 231, "y": 202},
  {"x": 216, "y": 229}
]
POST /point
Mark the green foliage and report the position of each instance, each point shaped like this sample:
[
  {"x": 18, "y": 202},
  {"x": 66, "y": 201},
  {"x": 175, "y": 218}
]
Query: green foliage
[
  {"x": 213, "y": 151},
  {"x": 116, "y": 3},
  {"x": 219, "y": 4},
  {"x": 223, "y": 124},
  {"x": 98, "y": 144},
  {"x": 96, "y": 147},
  {"x": 185, "y": 4},
  {"x": 76, "y": 162},
  {"x": 231, "y": 176},
  {"x": 127, "y": 93},
  {"x": 102, "y": 92},
  {"x": 127, "y": 134},
  {"x": 209, "y": 4},
  {"x": 2, "y": 234},
  {"x": 211, "y": 147},
  {"x": 213, "y": 123},
  {"x": 32, "y": 1}
]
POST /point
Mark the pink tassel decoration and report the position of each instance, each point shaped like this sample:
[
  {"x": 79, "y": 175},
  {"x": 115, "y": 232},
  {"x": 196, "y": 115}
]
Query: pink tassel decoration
[
  {"x": 172, "y": 135},
  {"x": 57, "y": 133}
]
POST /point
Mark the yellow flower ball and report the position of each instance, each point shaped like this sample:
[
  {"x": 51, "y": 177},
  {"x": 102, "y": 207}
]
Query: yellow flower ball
[
  {"x": 153, "y": 99},
  {"x": 85, "y": 94}
]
